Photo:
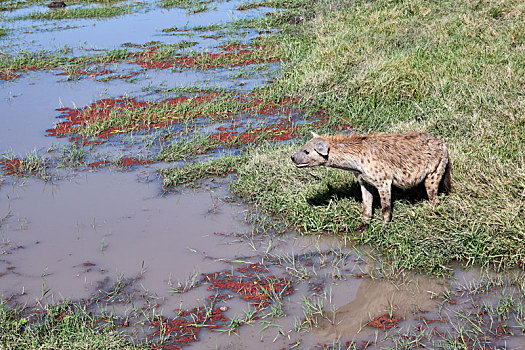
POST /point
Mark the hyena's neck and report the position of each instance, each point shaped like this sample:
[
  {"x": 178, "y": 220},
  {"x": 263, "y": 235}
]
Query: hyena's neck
[{"x": 346, "y": 158}]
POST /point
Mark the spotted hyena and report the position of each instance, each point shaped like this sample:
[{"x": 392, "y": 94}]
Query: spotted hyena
[{"x": 380, "y": 161}]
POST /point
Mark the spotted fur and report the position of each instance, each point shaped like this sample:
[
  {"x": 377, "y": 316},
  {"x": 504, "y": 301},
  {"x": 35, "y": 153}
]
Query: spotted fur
[{"x": 383, "y": 161}]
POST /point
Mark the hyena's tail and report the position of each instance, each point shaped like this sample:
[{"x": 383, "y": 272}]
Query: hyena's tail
[{"x": 446, "y": 180}]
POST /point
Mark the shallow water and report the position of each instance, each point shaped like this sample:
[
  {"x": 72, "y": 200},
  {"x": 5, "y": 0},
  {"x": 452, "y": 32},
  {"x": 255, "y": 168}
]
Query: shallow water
[
  {"x": 142, "y": 26},
  {"x": 110, "y": 220}
]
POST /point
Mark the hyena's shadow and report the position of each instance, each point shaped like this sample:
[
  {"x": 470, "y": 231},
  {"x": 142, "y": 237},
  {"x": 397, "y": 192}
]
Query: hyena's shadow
[
  {"x": 352, "y": 190},
  {"x": 333, "y": 192}
]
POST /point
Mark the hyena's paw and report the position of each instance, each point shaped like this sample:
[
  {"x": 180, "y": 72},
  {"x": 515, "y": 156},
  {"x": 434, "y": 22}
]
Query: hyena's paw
[
  {"x": 362, "y": 228},
  {"x": 433, "y": 201}
]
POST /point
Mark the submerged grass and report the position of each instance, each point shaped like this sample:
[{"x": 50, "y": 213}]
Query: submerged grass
[
  {"x": 45, "y": 60},
  {"x": 191, "y": 6},
  {"x": 10, "y": 5}
]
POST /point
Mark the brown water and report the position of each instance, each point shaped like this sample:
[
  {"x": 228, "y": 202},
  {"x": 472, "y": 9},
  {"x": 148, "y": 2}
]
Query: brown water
[
  {"x": 110, "y": 220},
  {"x": 70, "y": 240}
]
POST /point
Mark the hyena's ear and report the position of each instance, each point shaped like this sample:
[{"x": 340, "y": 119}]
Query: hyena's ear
[
  {"x": 322, "y": 148},
  {"x": 314, "y": 134}
]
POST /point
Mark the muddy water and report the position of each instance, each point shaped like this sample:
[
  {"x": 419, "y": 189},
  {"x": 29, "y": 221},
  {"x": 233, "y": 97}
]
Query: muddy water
[
  {"x": 77, "y": 239},
  {"x": 68, "y": 237},
  {"x": 74, "y": 238},
  {"x": 29, "y": 104}
]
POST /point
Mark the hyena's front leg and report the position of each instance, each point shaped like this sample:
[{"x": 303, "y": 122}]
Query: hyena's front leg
[
  {"x": 368, "y": 199},
  {"x": 385, "y": 192}
]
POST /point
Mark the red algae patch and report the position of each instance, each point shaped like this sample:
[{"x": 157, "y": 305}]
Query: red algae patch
[
  {"x": 153, "y": 55},
  {"x": 185, "y": 328},
  {"x": 127, "y": 162},
  {"x": 11, "y": 167},
  {"x": 277, "y": 132},
  {"x": 250, "y": 285},
  {"x": 8, "y": 76},
  {"x": 93, "y": 72},
  {"x": 106, "y": 117},
  {"x": 384, "y": 322},
  {"x": 236, "y": 55}
]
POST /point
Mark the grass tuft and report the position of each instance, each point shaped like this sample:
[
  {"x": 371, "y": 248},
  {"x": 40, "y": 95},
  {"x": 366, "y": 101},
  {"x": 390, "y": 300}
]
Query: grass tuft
[
  {"x": 60, "y": 326},
  {"x": 193, "y": 174},
  {"x": 79, "y": 12}
]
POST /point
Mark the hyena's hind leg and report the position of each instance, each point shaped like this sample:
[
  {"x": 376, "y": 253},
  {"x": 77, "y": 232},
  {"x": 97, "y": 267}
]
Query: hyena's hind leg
[
  {"x": 368, "y": 199},
  {"x": 385, "y": 193},
  {"x": 433, "y": 180}
]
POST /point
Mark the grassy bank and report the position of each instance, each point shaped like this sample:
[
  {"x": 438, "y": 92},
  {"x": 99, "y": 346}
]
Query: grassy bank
[
  {"x": 61, "y": 326},
  {"x": 452, "y": 69}
]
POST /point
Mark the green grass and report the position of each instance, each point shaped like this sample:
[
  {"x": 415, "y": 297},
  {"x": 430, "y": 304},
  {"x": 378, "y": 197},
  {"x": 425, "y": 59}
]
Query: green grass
[
  {"x": 60, "y": 326},
  {"x": 69, "y": 13},
  {"x": 193, "y": 174},
  {"x": 32, "y": 164},
  {"x": 10, "y": 5},
  {"x": 187, "y": 149},
  {"x": 46, "y": 60},
  {"x": 2, "y": 32},
  {"x": 283, "y": 4},
  {"x": 191, "y": 6},
  {"x": 448, "y": 68}
]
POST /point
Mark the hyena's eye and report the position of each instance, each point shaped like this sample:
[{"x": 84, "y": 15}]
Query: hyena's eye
[{"x": 306, "y": 152}]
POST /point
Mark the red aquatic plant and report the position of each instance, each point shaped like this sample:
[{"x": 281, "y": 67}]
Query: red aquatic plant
[
  {"x": 185, "y": 328},
  {"x": 384, "y": 322},
  {"x": 8, "y": 76},
  {"x": 251, "y": 287},
  {"x": 236, "y": 55},
  {"x": 11, "y": 166}
]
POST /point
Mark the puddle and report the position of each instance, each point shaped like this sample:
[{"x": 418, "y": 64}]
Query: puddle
[
  {"x": 69, "y": 236},
  {"x": 113, "y": 242},
  {"x": 142, "y": 26}
]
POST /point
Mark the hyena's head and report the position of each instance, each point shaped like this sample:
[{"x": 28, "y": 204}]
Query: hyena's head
[{"x": 314, "y": 152}]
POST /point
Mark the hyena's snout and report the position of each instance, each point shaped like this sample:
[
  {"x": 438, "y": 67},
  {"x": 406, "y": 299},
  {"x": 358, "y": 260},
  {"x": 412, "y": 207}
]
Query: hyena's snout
[
  {"x": 299, "y": 159},
  {"x": 294, "y": 158}
]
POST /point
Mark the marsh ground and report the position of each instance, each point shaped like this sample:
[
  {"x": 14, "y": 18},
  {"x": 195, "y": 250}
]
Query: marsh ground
[{"x": 147, "y": 199}]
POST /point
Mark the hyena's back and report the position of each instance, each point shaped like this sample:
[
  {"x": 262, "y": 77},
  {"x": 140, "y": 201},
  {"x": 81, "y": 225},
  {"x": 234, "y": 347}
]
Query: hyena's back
[{"x": 409, "y": 158}]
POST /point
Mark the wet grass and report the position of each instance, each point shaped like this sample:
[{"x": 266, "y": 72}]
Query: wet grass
[
  {"x": 60, "y": 326},
  {"x": 10, "y": 5},
  {"x": 155, "y": 56},
  {"x": 193, "y": 174},
  {"x": 78, "y": 12},
  {"x": 281, "y": 4},
  {"x": 393, "y": 67},
  {"x": 25, "y": 61},
  {"x": 32, "y": 164},
  {"x": 191, "y": 6}
]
